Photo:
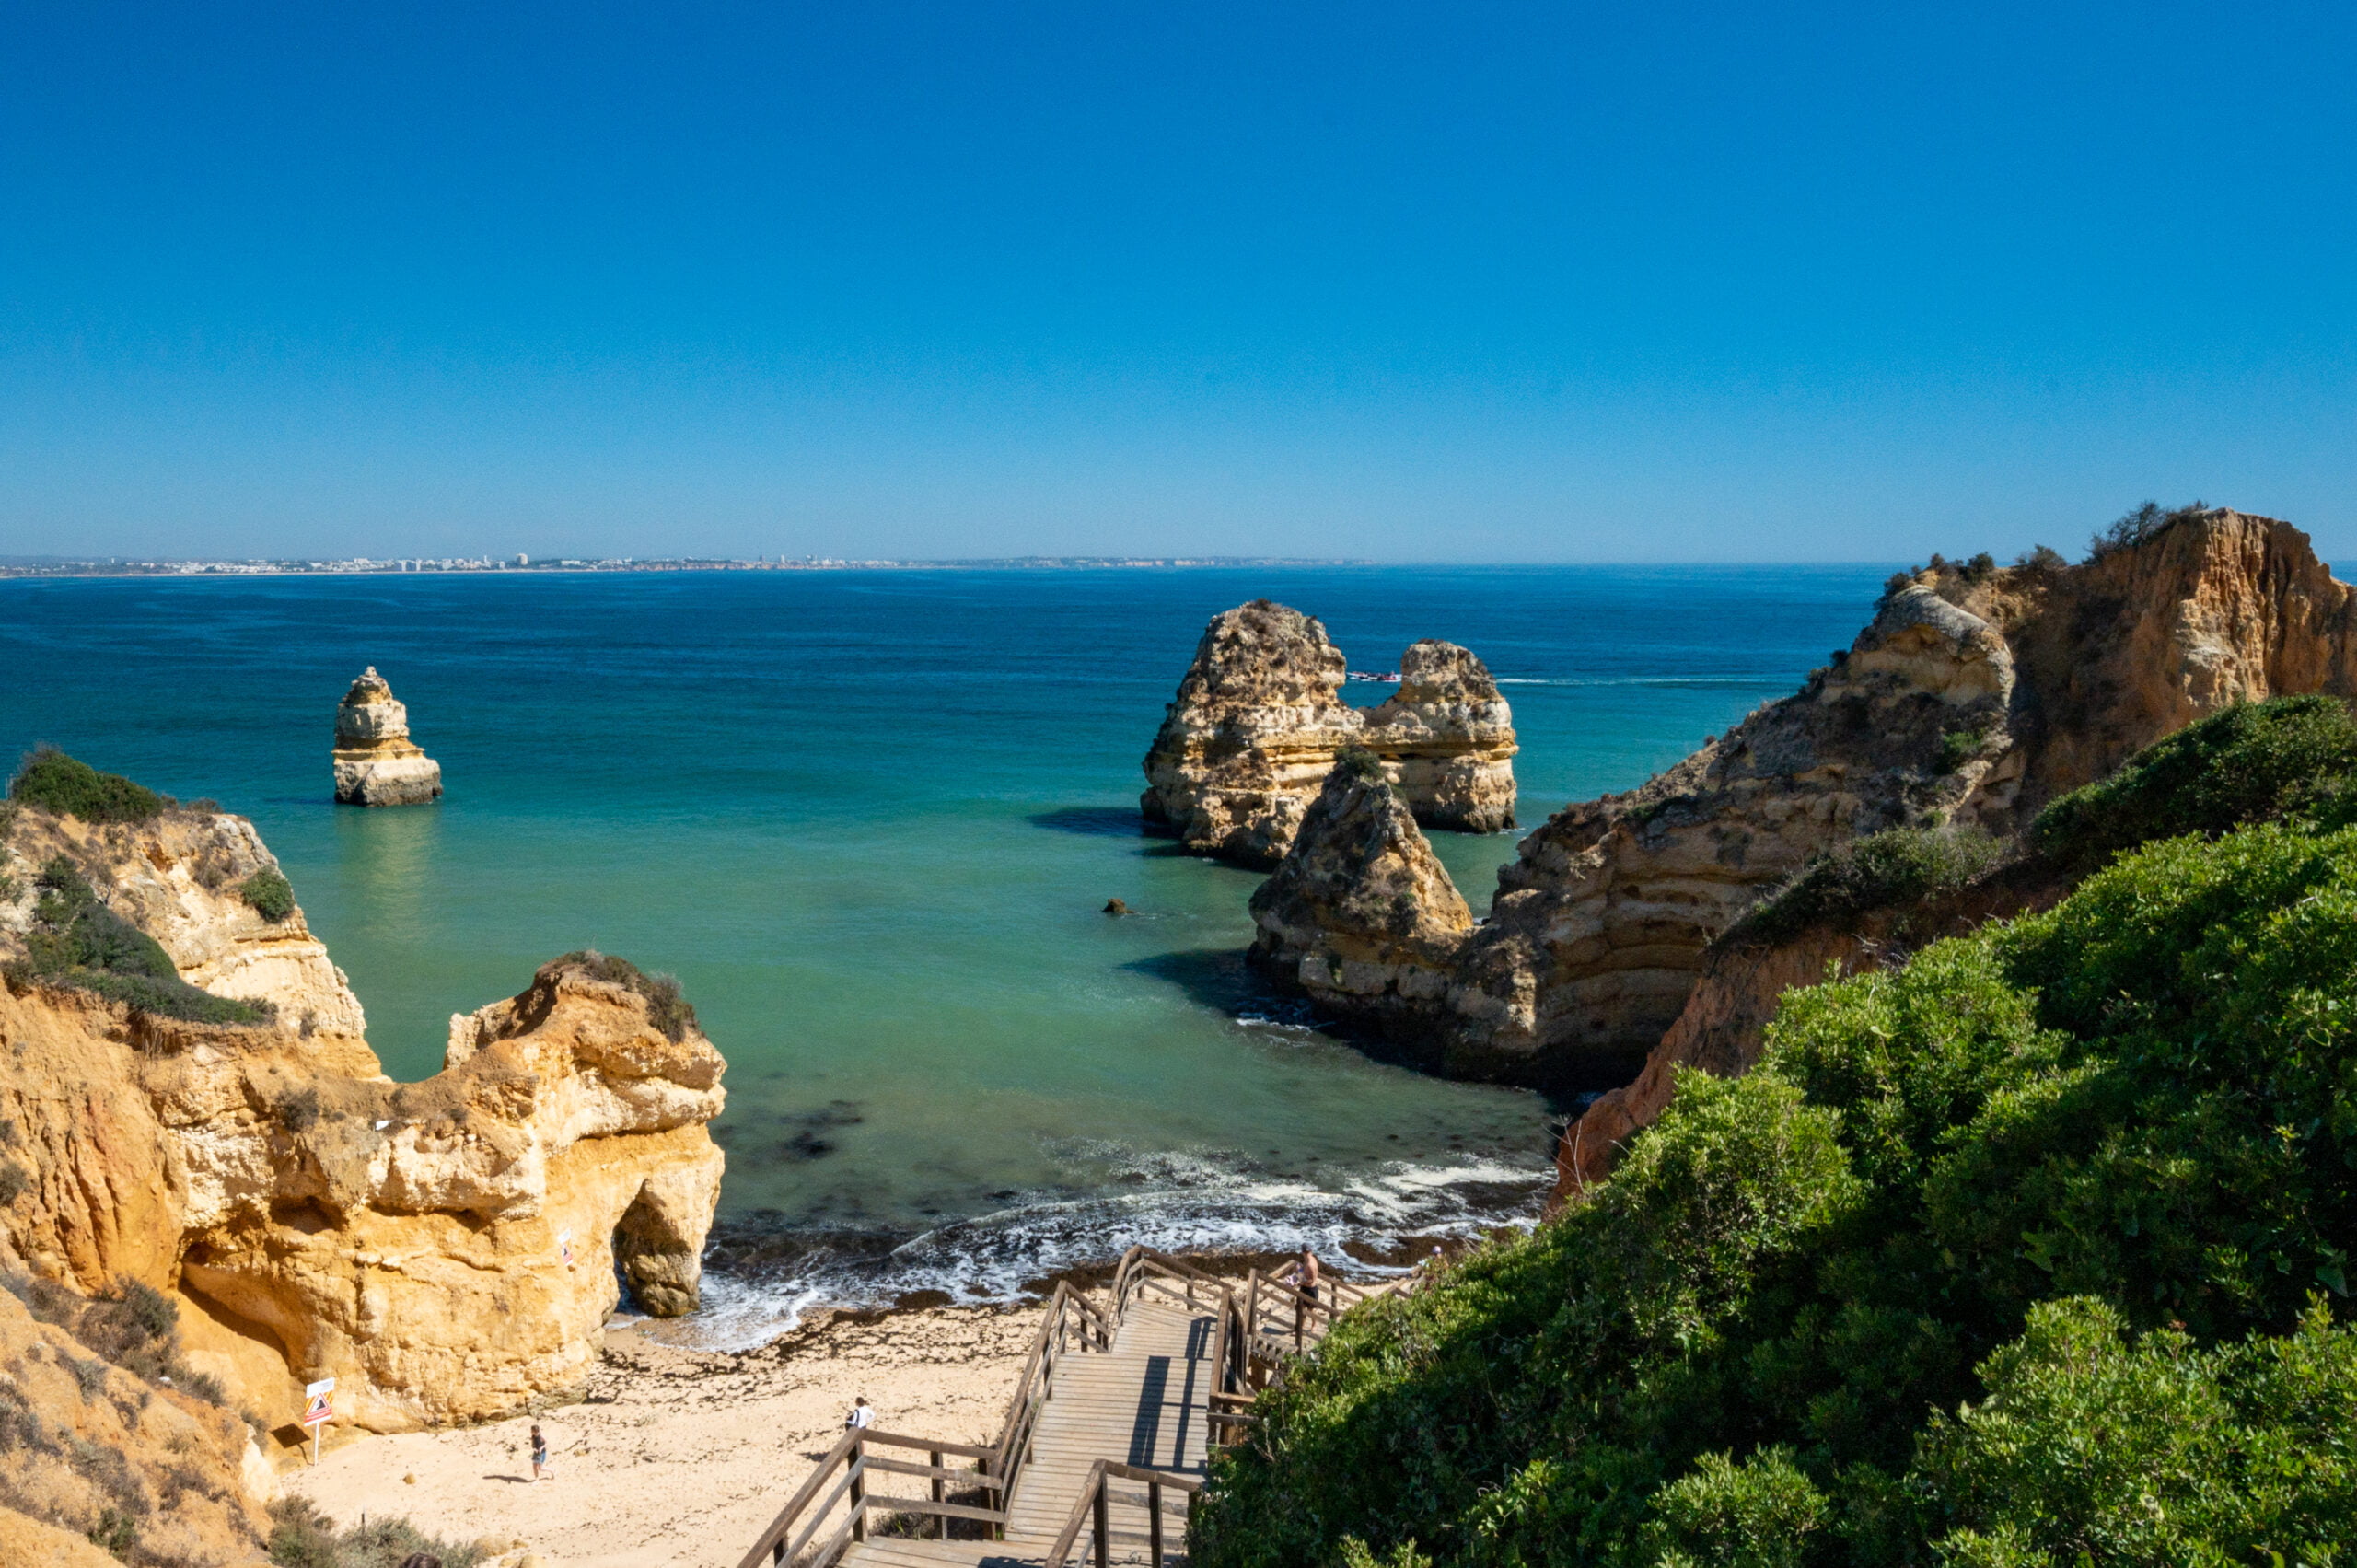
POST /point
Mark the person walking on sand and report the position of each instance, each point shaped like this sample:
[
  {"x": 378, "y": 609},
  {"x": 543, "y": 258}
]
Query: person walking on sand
[
  {"x": 541, "y": 1468},
  {"x": 862, "y": 1416}
]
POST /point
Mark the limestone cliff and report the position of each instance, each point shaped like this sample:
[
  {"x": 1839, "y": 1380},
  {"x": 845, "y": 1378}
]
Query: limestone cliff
[
  {"x": 1361, "y": 913},
  {"x": 446, "y": 1249},
  {"x": 376, "y": 761},
  {"x": 1258, "y": 721},
  {"x": 183, "y": 877},
  {"x": 1973, "y": 697}
]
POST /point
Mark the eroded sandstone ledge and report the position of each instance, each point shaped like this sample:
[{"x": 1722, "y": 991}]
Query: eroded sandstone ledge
[
  {"x": 447, "y": 1250},
  {"x": 1258, "y": 719},
  {"x": 1973, "y": 697}
]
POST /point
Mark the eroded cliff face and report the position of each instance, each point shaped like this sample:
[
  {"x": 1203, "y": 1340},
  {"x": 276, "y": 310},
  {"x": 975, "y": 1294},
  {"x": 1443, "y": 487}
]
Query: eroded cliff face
[
  {"x": 1361, "y": 915},
  {"x": 444, "y": 1249},
  {"x": 93, "y": 1452},
  {"x": 1971, "y": 698},
  {"x": 1258, "y": 722},
  {"x": 179, "y": 879}
]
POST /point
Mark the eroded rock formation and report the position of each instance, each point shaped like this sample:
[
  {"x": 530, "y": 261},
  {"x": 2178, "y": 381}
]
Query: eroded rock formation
[
  {"x": 1973, "y": 698},
  {"x": 1361, "y": 913},
  {"x": 447, "y": 1249},
  {"x": 376, "y": 761},
  {"x": 1258, "y": 719},
  {"x": 185, "y": 879}
]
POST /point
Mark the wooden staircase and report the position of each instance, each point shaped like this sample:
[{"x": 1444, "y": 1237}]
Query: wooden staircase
[{"x": 1114, "y": 1420}]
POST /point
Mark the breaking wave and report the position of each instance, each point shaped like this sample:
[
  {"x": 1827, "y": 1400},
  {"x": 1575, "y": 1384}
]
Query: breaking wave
[{"x": 759, "y": 1281}]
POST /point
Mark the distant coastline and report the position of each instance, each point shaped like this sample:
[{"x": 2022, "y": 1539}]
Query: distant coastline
[{"x": 42, "y": 566}]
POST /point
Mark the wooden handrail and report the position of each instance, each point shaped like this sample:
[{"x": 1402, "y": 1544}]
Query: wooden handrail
[
  {"x": 1243, "y": 1365},
  {"x": 1095, "y": 1505},
  {"x": 1069, "y": 1312}
]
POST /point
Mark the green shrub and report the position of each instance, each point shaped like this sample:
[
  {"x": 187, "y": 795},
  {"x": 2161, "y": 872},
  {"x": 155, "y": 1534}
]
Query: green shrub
[
  {"x": 270, "y": 894},
  {"x": 1898, "y": 865},
  {"x": 76, "y": 941},
  {"x": 303, "y": 1537},
  {"x": 2006, "y": 1256},
  {"x": 1358, "y": 762},
  {"x": 666, "y": 1008},
  {"x": 1958, "y": 746},
  {"x": 51, "y": 780},
  {"x": 2250, "y": 763}
]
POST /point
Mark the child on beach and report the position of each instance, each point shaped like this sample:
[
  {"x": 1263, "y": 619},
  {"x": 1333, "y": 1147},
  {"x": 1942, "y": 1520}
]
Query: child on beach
[{"x": 541, "y": 1468}]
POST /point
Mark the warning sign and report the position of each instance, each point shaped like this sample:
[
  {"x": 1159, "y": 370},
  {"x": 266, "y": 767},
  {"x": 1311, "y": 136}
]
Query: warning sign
[{"x": 318, "y": 1406}]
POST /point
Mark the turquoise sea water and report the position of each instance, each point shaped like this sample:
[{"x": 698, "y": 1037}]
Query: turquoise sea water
[{"x": 870, "y": 820}]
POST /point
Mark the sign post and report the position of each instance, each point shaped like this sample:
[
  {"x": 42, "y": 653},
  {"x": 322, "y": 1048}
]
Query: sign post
[{"x": 318, "y": 1409}]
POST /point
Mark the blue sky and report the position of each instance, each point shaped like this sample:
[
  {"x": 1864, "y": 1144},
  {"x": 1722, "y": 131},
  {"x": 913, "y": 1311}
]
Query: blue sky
[{"x": 1464, "y": 282}]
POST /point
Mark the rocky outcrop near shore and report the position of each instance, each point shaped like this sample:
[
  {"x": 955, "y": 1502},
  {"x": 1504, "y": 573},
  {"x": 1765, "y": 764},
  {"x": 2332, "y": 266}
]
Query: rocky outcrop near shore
[
  {"x": 201, "y": 883},
  {"x": 1975, "y": 695},
  {"x": 1447, "y": 740},
  {"x": 447, "y": 1250},
  {"x": 376, "y": 761},
  {"x": 1258, "y": 719},
  {"x": 1361, "y": 915}
]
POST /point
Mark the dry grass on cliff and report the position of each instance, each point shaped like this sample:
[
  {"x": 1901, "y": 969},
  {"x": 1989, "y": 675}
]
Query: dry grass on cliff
[{"x": 666, "y": 1008}]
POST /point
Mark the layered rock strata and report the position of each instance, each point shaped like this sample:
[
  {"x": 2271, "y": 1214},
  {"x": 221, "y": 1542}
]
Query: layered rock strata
[
  {"x": 1361, "y": 913},
  {"x": 447, "y": 1250},
  {"x": 1258, "y": 719},
  {"x": 376, "y": 761},
  {"x": 1973, "y": 697}
]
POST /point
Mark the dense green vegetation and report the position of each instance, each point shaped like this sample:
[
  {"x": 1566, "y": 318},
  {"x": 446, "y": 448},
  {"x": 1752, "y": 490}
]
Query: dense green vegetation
[
  {"x": 2035, "y": 1251},
  {"x": 76, "y": 941},
  {"x": 269, "y": 893},
  {"x": 2245, "y": 764},
  {"x": 57, "y": 783},
  {"x": 666, "y": 1007},
  {"x": 1898, "y": 865}
]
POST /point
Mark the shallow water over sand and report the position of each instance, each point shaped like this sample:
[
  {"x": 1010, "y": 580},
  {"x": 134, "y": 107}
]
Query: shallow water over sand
[{"x": 870, "y": 820}]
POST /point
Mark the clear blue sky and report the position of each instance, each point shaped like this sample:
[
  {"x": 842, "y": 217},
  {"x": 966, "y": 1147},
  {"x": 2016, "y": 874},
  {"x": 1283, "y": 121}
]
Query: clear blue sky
[{"x": 1435, "y": 282}]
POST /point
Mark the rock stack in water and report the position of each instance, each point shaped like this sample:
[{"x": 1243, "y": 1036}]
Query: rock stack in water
[
  {"x": 1249, "y": 740},
  {"x": 376, "y": 761}
]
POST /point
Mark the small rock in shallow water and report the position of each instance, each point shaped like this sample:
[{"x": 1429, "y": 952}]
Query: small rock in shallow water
[{"x": 1115, "y": 906}]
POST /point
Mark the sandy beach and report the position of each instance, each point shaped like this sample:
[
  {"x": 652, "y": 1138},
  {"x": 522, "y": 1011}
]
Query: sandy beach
[{"x": 678, "y": 1457}]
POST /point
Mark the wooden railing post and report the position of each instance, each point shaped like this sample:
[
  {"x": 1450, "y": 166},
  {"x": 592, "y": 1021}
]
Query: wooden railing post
[
  {"x": 1154, "y": 1520},
  {"x": 859, "y": 1490},
  {"x": 940, "y": 1521},
  {"x": 1102, "y": 1525}
]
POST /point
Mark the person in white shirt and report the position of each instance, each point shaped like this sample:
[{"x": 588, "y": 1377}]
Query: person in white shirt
[{"x": 861, "y": 1417}]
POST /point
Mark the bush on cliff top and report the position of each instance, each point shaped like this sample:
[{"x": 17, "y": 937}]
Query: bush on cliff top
[
  {"x": 2035, "y": 1251},
  {"x": 57, "y": 783},
  {"x": 667, "y": 1009},
  {"x": 1899, "y": 866},
  {"x": 2247, "y": 764},
  {"x": 76, "y": 941}
]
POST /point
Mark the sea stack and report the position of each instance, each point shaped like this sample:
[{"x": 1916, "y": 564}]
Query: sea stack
[
  {"x": 1247, "y": 744},
  {"x": 376, "y": 761}
]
